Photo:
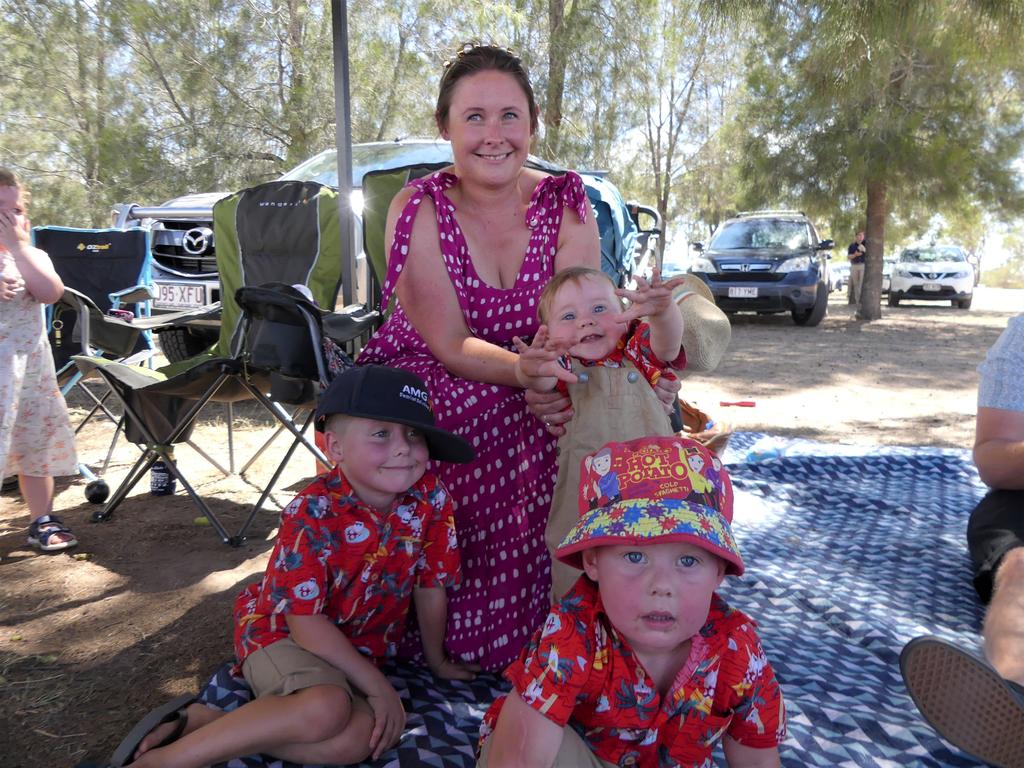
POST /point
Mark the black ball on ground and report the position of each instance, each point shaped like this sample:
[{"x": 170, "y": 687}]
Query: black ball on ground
[{"x": 97, "y": 491}]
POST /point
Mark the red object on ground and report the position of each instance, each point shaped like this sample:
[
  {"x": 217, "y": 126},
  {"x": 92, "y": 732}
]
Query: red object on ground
[{"x": 740, "y": 403}]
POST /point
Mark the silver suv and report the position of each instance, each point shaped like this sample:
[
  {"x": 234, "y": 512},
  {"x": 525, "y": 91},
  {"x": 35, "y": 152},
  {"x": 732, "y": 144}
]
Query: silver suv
[{"x": 184, "y": 255}]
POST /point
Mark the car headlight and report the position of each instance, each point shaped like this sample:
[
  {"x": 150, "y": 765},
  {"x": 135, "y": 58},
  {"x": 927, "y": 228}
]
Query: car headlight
[
  {"x": 702, "y": 264},
  {"x": 796, "y": 264},
  {"x": 961, "y": 273},
  {"x": 901, "y": 272}
]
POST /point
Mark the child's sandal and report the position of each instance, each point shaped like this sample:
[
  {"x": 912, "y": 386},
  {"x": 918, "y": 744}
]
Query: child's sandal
[
  {"x": 43, "y": 530},
  {"x": 173, "y": 711}
]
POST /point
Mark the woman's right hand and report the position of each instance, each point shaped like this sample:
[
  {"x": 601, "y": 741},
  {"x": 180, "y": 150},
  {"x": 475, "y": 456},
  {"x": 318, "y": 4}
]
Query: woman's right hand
[{"x": 552, "y": 408}]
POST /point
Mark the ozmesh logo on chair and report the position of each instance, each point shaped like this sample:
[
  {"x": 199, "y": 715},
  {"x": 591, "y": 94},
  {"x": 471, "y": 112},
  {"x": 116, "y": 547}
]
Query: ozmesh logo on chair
[{"x": 93, "y": 247}]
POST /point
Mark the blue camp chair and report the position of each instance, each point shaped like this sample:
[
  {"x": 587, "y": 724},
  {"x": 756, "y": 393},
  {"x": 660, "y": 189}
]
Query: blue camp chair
[{"x": 90, "y": 262}]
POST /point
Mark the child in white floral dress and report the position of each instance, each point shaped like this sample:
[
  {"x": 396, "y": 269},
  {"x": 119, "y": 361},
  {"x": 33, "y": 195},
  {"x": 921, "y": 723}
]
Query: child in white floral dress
[{"x": 36, "y": 439}]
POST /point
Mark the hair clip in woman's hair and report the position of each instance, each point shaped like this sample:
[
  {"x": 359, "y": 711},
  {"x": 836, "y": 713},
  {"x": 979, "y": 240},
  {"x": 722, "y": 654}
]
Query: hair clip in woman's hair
[{"x": 468, "y": 48}]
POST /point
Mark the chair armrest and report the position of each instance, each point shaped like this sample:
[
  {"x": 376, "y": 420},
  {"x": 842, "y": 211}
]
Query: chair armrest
[
  {"x": 132, "y": 295},
  {"x": 350, "y": 323}
]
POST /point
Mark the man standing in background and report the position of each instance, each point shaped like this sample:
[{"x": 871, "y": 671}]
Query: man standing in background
[{"x": 857, "y": 252}]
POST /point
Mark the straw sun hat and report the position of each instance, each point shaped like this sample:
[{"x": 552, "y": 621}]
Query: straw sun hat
[{"x": 706, "y": 329}]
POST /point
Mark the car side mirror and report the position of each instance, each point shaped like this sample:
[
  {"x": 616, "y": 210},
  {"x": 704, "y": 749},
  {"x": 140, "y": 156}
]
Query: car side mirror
[
  {"x": 698, "y": 246},
  {"x": 826, "y": 245}
]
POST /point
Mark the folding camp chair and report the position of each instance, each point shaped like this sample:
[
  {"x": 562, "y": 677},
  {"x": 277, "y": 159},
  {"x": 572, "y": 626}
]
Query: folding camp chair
[
  {"x": 283, "y": 233},
  {"x": 90, "y": 262},
  {"x": 379, "y": 189}
]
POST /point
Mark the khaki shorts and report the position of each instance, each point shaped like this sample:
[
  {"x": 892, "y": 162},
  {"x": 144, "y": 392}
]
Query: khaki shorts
[
  {"x": 574, "y": 753},
  {"x": 284, "y": 667}
]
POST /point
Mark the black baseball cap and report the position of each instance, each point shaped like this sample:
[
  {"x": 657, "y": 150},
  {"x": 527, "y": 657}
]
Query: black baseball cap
[{"x": 390, "y": 394}]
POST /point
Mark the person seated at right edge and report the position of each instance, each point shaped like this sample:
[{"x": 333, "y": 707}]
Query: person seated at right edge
[
  {"x": 642, "y": 663},
  {"x": 978, "y": 704}
]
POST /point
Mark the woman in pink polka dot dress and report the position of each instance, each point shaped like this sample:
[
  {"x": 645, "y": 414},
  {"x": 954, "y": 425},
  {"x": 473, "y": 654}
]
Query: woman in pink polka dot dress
[{"x": 471, "y": 248}]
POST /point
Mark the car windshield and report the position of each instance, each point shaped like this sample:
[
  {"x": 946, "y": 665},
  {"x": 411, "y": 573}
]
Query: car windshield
[
  {"x": 925, "y": 255},
  {"x": 323, "y": 168},
  {"x": 374, "y": 156},
  {"x": 762, "y": 233}
]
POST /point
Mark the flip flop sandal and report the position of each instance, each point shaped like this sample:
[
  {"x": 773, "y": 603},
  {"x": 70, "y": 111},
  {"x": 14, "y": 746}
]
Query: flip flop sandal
[
  {"x": 174, "y": 711},
  {"x": 966, "y": 701},
  {"x": 43, "y": 530}
]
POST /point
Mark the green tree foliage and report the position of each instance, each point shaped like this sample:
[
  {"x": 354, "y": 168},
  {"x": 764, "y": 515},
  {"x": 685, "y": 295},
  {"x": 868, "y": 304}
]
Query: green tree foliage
[
  {"x": 1009, "y": 274},
  {"x": 108, "y": 101},
  {"x": 872, "y": 107}
]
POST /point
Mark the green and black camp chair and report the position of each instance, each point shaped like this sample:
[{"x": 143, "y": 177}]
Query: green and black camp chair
[
  {"x": 283, "y": 232},
  {"x": 379, "y": 189}
]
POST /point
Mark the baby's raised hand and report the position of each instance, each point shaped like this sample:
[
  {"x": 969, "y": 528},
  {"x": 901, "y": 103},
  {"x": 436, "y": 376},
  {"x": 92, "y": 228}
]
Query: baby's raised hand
[
  {"x": 649, "y": 297},
  {"x": 537, "y": 366}
]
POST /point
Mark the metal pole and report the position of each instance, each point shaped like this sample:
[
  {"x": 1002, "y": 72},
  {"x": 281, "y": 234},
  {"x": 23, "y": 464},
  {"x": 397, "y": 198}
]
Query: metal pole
[{"x": 343, "y": 141}]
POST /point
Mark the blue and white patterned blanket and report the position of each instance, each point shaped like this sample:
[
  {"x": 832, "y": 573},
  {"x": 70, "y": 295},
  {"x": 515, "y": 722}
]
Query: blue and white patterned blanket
[{"x": 850, "y": 552}]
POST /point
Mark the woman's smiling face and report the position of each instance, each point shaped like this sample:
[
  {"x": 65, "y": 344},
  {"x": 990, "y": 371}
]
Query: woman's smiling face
[{"x": 489, "y": 127}]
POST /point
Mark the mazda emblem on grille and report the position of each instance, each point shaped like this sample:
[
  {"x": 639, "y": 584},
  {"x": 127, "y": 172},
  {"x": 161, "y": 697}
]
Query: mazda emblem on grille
[{"x": 196, "y": 241}]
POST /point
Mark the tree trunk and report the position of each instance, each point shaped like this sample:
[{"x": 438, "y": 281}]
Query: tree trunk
[
  {"x": 871, "y": 289},
  {"x": 294, "y": 84},
  {"x": 557, "y": 62},
  {"x": 393, "y": 87}
]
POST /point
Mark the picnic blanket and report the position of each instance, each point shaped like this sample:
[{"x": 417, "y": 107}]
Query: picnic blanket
[{"x": 850, "y": 552}]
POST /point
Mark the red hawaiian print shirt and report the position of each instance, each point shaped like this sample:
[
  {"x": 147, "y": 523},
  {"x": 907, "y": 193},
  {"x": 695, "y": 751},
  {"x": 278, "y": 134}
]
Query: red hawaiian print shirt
[
  {"x": 635, "y": 346},
  {"x": 337, "y": 556},
  {"x": 578, "y": 671}
]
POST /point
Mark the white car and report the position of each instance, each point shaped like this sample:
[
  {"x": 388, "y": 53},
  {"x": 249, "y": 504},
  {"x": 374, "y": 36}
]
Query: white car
[
  {"x": 840, "y": 275},
  {"x": 933, "y": 273},
  {"x": 887, "y": 267}
]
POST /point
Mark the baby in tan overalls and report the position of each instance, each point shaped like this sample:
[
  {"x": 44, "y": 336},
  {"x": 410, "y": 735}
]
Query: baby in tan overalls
[{"x": 608, "y": 361}]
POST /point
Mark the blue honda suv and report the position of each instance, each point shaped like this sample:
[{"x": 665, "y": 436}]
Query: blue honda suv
[{"x": 767, "y": 261}]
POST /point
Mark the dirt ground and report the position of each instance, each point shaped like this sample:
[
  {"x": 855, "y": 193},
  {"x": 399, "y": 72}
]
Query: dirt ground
[{"x": 141, "y": 611}]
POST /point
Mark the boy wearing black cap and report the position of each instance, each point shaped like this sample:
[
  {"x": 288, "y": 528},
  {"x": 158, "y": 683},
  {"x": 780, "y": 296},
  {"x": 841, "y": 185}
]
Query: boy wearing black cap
[
  {"x": 642, "y": 663},
  {"x": 354, "y": 548}
]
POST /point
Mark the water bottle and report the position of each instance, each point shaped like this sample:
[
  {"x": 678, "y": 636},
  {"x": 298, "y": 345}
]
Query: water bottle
[
  {"x": 765, "y": 449},
  {"x": 161, "y": 481}
]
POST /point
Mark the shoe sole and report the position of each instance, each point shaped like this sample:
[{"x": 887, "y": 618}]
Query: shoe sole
[
  {"x": 965, "y": 701},
  {"x": 164, "y": 713}
]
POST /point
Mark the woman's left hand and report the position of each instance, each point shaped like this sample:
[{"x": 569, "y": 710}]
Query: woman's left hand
[{"x": 552, "y": 408}]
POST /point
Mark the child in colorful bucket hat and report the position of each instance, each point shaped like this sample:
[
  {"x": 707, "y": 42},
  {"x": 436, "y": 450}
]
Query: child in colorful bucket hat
[{"x": 642, "y": 656}]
